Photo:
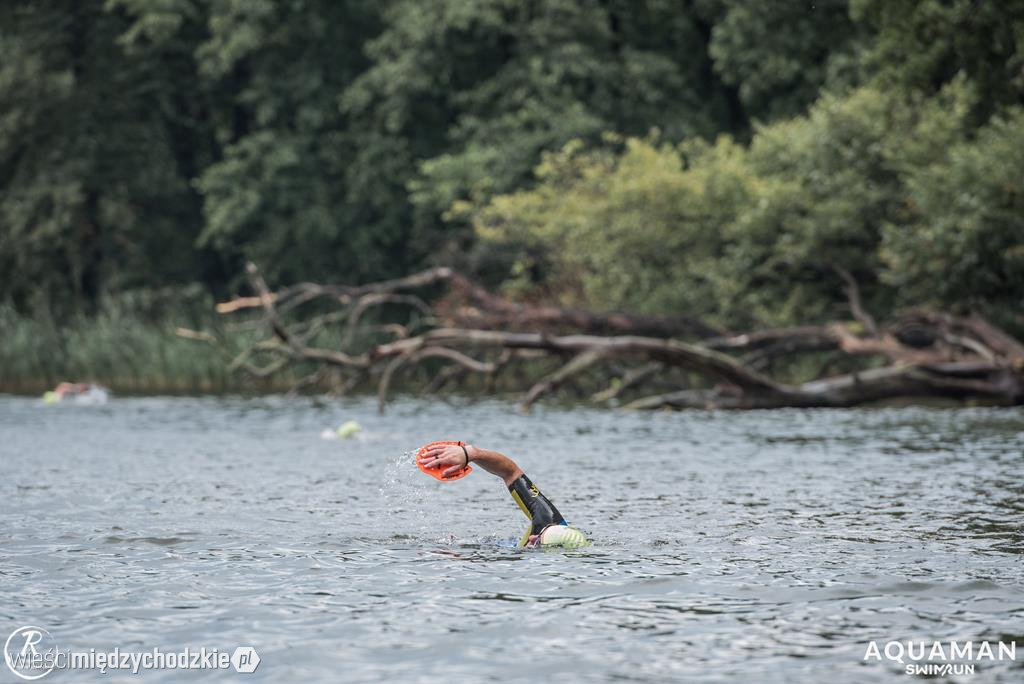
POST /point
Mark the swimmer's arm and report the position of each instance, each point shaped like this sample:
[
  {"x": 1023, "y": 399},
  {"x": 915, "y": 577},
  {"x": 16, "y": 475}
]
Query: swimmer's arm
[
  {"x": 454, "y": 459},
  {"x": 495, "y": 463}
]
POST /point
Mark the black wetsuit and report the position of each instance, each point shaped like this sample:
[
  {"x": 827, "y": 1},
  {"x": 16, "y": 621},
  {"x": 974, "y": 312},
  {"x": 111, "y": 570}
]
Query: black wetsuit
[{"x": 536, "y": 506}]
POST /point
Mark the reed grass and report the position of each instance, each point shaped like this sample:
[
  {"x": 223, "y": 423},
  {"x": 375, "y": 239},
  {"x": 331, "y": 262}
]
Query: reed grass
[{"x": 129, "y": 346}]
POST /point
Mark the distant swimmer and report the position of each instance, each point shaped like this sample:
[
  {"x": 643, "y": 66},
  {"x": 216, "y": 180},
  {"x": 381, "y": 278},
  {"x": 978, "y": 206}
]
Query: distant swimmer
[
  {"x": 80, "y": 392},
  {"x": 71, "y": 389},
  {"x": 547, "y": 526},
  {"x": 346, "y": 430}
]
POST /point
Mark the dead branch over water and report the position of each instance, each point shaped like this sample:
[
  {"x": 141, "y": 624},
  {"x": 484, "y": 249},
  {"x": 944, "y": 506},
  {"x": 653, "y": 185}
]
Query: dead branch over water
[{"x": 471, "y": 331}]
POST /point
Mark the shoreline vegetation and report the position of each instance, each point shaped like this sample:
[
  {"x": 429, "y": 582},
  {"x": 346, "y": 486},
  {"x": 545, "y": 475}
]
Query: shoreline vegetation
[
  {"x": 831, "y": 194},
  {"x": 127, "y": 350},
  {"x": 438, "y": 329},
  {"x": 116, "y": 351},
  {"x": 135, "y": 353}
]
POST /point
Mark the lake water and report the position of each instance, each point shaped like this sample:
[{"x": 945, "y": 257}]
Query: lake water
[{"x": 767, "y": 546}]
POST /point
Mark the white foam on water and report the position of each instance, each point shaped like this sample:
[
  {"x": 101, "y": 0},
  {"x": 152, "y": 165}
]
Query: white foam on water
[{"x": 408, "y": 499}]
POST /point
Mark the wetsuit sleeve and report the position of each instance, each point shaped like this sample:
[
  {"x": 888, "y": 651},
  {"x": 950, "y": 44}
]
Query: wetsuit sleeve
[{"x": 534, "y": 505}]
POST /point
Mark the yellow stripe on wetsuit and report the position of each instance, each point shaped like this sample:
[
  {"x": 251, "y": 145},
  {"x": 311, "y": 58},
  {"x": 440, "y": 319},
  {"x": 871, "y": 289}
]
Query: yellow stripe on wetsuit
[
  {"x": 526, "y": 511},
  {"x": 534, "y": 506}
]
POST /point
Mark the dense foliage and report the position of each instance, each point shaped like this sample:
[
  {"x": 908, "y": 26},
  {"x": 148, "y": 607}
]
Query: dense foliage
[{"x": 726, "y": 159}]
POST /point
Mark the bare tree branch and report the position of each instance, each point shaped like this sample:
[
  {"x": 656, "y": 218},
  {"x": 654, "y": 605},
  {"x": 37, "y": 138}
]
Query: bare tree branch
[
  {"x": 928, "y": 353},
  {"x": 634, "y": 376},
  {"x": 853, "y": 295},
  {"x": 576, "y": 365}
]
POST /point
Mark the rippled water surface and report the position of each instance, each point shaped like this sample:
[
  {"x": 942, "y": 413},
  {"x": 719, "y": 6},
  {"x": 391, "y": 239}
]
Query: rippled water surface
[{"x": 741, "y": 547}]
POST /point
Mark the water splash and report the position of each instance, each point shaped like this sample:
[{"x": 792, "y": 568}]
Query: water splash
[
  {"x": 400, "y": 488},
  {"x": 407, "y": 497},
  {"x": 412, "y": 506}
]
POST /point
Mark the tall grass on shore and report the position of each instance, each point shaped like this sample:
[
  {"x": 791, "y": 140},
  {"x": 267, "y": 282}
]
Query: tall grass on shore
[{"x": 128, "y": 345}]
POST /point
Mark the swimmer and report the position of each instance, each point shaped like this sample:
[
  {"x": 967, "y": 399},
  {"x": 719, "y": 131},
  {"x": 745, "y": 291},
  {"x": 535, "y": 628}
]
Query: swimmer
[
  {"x": 71, "y": 389},
  {"x": 79, "y": 392},
  {"x": 547, "y": 526}
]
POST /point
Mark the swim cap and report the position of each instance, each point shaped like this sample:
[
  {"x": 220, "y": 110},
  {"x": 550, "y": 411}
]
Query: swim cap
[
  {"x": 564, "y": 536},
  {"x": 348, "y": 429}
]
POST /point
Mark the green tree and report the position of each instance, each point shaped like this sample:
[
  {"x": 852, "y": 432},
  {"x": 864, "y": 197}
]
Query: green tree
[
  {"x": 152, "y": 142},
  {"x": 779, "y": 55},
  {"x": 464, "y": 95},
  {"x": 963, "y": 246},
  {"x": 759, "y": 236},
  {"x": 279, "y": 191},
  {"x": 92, "y": 193},
  {"x": 643, "y": 230},
  {"x": 921, "y": 45}
]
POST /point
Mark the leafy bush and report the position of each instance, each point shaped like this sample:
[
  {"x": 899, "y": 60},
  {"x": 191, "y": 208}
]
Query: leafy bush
[{"x": 893, "y": 190}]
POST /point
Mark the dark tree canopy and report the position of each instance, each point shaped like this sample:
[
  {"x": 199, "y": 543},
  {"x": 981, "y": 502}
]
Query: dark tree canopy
[{"x": 729, "y": 158}]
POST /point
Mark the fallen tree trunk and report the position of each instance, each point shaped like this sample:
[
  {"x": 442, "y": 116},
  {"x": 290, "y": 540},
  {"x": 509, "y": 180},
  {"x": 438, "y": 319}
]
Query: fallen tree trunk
[
  {"x": 929, "y": 354},
  {"x": 957, "y": 381},
  {"x": 467, "y": 304}
]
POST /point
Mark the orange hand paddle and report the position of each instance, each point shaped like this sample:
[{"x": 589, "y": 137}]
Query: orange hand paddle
[{"x": 436, "y": 473}]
